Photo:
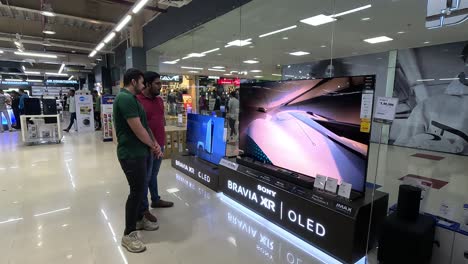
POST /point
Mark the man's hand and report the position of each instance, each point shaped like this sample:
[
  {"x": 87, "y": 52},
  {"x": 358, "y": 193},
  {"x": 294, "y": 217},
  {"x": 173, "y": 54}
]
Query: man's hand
[{"x": 156, "y": 150}]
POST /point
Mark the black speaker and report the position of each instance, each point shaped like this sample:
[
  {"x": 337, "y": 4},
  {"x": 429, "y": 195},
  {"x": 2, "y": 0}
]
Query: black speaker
[
  {"x": 49, "y": 106},
  {"x": 409, "y": 199},
  {"x": 32, "y": 106}
]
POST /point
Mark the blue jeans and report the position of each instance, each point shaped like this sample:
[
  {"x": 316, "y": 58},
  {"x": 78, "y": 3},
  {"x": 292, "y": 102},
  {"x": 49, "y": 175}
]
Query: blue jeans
[{"x": 151, "y": 183}]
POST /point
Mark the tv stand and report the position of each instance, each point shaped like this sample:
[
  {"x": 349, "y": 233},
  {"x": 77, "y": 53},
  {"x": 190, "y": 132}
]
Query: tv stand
[{"x": 200, "y": 170}]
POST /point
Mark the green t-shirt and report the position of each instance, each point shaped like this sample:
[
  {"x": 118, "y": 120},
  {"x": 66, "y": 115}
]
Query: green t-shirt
[{"x": 127, "y": 106}]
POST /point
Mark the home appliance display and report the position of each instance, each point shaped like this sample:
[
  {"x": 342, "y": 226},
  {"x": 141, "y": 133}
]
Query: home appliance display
[
  {"x": 205, "y": 137},
  {"x": 306, "y": 128}
]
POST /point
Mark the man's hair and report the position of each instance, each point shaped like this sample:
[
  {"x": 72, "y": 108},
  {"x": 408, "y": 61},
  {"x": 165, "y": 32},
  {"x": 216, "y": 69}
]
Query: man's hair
[
  {"x": 132, "y": 74},
  {"x": 151, "y": 76},
  {"x": 233, "y": 94}
]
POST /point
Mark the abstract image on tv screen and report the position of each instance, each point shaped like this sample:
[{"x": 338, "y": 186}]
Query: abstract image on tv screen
[
  {"x": 205, "y": 137},
  {"x": 311, "y": 127}
]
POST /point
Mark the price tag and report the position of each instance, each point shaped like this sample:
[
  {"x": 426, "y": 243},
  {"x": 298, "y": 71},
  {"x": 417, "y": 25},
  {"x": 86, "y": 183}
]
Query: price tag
[
  {"x": 320, "y": 181},
  {"x": 366, "y": 104},
  {"x": 365, "y": 125},
  {"x": 331, "y": 185},
  {"x": 385, "y": 109},
  {"x": 345, "y": 190}
]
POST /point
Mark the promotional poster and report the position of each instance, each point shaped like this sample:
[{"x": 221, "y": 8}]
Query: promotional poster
[
  {"x": 433, "y": 101},
  {"x": 84, "y": 112},
  {"x": 107, "y": 102},
  {"x": 311, "y": 127},
  {"x": 205, "y": 137}
]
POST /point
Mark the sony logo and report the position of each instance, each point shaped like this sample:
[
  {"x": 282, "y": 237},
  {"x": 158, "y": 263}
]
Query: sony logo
[
  {"x": 266, "y": 190},
  {"x": 344, "y": 208}
]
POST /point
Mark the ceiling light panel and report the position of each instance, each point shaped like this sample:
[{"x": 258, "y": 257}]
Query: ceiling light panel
[
  {"x": 217, "y": 70},
  {"x": 56, "y": 74},
  {"x": 109, "y": 37},
  {"x": 251, "y": 61},
  {"x": 93, "y": 53},
  {"x": 123, "y": 23},
  {"x": 209, "y": 51},
  {"x": 34, "y": 54},
  {"x": 378, "y": 39},
  {"x": 256, "y": 71},
  {"x": 32, "y": 72},
  {"x": 171, "y": 62},
  {"x": 191, "y": 68},
  {"x": 218, "y": 67},
  {"x": 277, "y": 31},
  {"x": 100, "y": 46},
  {"x": 239, "y": 43},
  {"x": 299, "y": 53},
  {"x": 352, "y": 11},
  {"x": 61, "y": 68},
  {"x": 318, "y": 20},
  {"x": 139, "y": 6}
]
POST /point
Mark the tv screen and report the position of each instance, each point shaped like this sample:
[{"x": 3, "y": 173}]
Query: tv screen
[
  {"x": 311, "y": 127},
  {"x": 205, "y": 137}
]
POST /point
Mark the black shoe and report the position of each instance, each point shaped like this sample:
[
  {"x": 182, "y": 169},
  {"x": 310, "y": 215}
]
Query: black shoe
[
  {"x": 66, "y": 130},
  {"x": 162, "y": 204}
]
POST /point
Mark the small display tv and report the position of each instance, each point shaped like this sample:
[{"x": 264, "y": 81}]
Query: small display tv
[
  {"x": 205, "y": 137},
  {"x": 307, "y": 127}
]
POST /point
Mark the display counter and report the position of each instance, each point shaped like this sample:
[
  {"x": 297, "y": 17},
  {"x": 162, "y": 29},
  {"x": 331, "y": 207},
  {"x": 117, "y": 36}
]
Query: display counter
[{"x": 40, "y": 129}]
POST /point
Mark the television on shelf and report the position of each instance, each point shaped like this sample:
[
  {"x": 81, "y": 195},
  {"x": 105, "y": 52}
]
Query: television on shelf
[
  {"x": 307, "y": 127},
  {"x": 205, "y": 137}
]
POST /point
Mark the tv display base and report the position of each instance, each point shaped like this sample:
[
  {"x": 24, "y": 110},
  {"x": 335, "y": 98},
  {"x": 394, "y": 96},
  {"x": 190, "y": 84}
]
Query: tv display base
[
  {"x": 336, "y": 226},
  {"x": 200, "y": 170}
]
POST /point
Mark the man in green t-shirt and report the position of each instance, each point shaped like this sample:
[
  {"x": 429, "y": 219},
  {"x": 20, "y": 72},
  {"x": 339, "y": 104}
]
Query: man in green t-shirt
[{"x": 135, "y": 148}]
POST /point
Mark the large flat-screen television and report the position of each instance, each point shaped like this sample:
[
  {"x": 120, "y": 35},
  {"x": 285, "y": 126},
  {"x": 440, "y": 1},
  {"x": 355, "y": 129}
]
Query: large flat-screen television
[
  {"x": 205, "y": 137},
  {"x": 309, "y": 127}
]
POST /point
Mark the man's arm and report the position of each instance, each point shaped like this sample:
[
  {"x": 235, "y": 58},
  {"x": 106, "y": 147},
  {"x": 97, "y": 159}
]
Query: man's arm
[{"x": 141, "y": 133}]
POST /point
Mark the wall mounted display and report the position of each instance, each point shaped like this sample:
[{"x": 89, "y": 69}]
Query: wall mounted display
[
  {"x": 310, "y": 127},
  {"x": 431, "y": 84},
  {"x": 205, "y": 137}
]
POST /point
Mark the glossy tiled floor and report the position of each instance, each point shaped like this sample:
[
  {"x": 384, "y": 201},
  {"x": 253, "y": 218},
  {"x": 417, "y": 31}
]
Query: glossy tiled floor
[{"x": 65, "y": 204}]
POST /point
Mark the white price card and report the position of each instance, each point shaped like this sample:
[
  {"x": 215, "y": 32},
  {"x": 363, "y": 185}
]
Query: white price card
[
  {"x": 385, "y": 109},
  {"x": 345, "y": 190},
  {"x": 331, "y": 185},
  {"x": 320, "y": 181},
  {"x": 366, "y": 105}
]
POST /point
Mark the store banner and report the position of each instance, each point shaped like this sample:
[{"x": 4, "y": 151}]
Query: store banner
[
  {"x": 107, "y": 102},
  {"x": 431, "y": 84},
  {"x": 84, "y": 112},
  {"x": 187, "y": 101}
]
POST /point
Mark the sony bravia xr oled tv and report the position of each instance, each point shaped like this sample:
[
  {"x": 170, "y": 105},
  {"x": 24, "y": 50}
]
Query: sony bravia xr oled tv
[
  {"x": 311, "y": 127},
  {"x": 205, "y": 137}
]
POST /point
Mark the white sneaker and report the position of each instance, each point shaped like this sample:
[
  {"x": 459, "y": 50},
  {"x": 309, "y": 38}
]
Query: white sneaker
[
  {"x": 133, "y": 243},
  {"x": 147, "y": 225}
]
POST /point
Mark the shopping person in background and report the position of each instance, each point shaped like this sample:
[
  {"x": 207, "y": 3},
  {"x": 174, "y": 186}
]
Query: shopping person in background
[
  {"x": 15, "y": 98},
  {"x": 4, "y": 101},
  {"x": 233, "y": 114},
  {"x": 97, "y": 109},
  {"x": 134, "y": 150},
  {"x": 71, "y": 109},
  {"x": 154, "y": 108},
  {"x": 23, "y": 95}
]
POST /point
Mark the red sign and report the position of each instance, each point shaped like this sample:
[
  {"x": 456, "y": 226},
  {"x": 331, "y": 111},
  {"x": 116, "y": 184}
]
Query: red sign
[{"x": 235, "y": 81}]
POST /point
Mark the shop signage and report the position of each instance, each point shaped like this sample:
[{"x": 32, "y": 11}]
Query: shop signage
[
  {"x": 197, "y": 170},
  {"x": 14, "y": 83},
  {"x": 62, "y": 82},
  {"x": 331, "y": 230},
  {"x": 228, "y": 81},
  {"x": 171, "y": 78}
]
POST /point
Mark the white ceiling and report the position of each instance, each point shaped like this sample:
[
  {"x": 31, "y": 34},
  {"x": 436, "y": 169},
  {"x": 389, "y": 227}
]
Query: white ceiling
[{"x": 387, "y": 17}]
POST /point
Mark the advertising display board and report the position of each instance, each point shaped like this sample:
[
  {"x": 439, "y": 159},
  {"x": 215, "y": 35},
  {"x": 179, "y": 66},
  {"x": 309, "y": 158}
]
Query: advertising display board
[
  {"x": 198, "y": 170},
  {"x": 84, "y": 112},
  {"x": 308, "y": 127},
  {"x": 106, "y": 112}
]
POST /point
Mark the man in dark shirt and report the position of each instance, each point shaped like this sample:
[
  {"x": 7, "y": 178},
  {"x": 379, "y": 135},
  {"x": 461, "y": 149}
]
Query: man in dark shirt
[
  {"x": 134, "y": 149},
  {"x": 154, "y": 108}
]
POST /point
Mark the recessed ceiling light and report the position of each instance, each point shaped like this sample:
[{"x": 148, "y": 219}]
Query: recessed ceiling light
[
  {"x": 34, "y": 80},
  {"x": 318, "y": 20},
  {"x": 401, "y": 32},
  {"x": 109, "y": 37},
  {"x": 365, "y": 18},
  {"x": 93, "y": 53},
  {"x": 256, "y": 71},
  {"x": 378, "y": 39},
  {"x": 234, "y": 72},
  {"x": 194, "y": 55},
  {"x": 191, "y": 68},
  {"x": 1, "y": 51},
  {"x": 123, "y": 23},
  {"x": 209, "y": 51},
  {"x": 352, "y": 11},
  {"x": 219, "y": 54},
  {"x": 285, "y": 38},
  {"x": 24, "y": 68},
  {"x": 48, "y": 13},
  {"x": 427, "y": 42},
  {"x": 34, "y": 54},
  {"x": 32, "y": 72},
  {"x": 228, "y": 74},
  {"x": 251, "y": 47},
  {"x": 277, "y": 31},
  {"x": 171, "y": 62},
  {"x": 276, "y": 74},
  {"x": 251, "y": 61},
  {"x": 13, "y": 80},
  {"x": 323, "y": 46},
  {"x": 73, "y": 51},
  {"x": 425, "y": 80},
  {"x": 258, "y": 76},
  {"x": 193, "y": 71},
  {"x": 139, "y": 6},
  {"x": 299, "y": 53},
  {"x": 217, "y": 70},
  {"x": 49, "y": 32},
  {"x": 239, "y": 43},
  {"x": 100, "y": 46},
  {"x": 56, "y": 74},
  {"x": 218, "y": 67}
]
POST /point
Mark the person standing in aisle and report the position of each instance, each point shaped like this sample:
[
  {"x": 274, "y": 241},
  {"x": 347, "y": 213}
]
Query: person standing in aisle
[
  {"x": 134, "y": 150},
  {"x": 97, "y": 109},
  {"x": 23, "y": 95},
  {"x": 72, "y": 109},
  {"x": 15, "y": 108},
  {"x": 233, "y": 113},
  {"x": 154, "y": 108},
  {"x": 4, "y": 101}
]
